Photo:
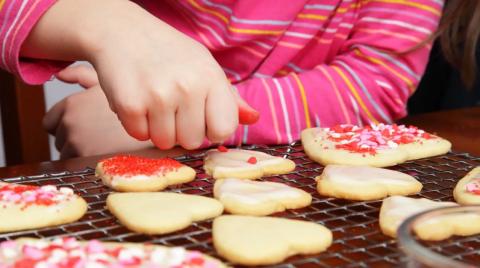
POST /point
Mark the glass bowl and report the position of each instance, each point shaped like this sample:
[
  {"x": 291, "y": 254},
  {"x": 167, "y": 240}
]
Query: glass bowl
[{"x": 419, "y": 254}]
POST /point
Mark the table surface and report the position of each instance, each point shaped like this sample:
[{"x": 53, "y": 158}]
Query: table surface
[{"x": 461, "y": 127}]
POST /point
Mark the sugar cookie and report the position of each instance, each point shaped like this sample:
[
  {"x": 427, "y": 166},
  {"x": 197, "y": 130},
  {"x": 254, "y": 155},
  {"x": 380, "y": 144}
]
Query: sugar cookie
[
  {"x": 244, "y": 164},
  {"x": 259, "y": 198},
  {"x": 365, "y": 183},
  {"x": 161, "y": 212},
  {"x": 25, "y": 207},
  {"x": 467, "y": 190},
  {"x": 128, "y": 173},
  {"x": 249, "y": 240},
  {"x": 396, "y": 209},
  {"x": 377, "y": 145},
  {"x": 68, "y": 252}
]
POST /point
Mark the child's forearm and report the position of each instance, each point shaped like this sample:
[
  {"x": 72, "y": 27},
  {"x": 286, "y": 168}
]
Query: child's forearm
[{"x": 77, "y": 30}]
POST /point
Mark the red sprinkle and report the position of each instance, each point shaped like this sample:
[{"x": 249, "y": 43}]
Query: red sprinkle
[
  {"x": 222, "y": 149},
  {"x": 252, "y": 160},
  {"x": 129, "y": 165}
]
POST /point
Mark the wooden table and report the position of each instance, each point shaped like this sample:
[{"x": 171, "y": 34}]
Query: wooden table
[{"x": 461, "y": 127}]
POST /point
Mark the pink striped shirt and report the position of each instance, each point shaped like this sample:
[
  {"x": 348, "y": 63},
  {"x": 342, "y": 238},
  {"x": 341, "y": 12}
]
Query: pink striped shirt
[{"x": 301, "y": 63}]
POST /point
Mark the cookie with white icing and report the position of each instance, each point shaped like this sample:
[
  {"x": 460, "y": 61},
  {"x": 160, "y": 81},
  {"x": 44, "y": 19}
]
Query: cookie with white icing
[
  {"x": 161, "y": 212},
  {"x": 467, "y": 190},
  {"x": 244, "y": 164},
  {"x": 249, "y": 240},
  {"x": 377, "y": 145},
  {"x": 68, "y": 252},
  {"x": 396, "y": 209},
  {"x": 24, "y": 207},
  {"x": 365, "y": 183},
  {"x": 129, "y": 173},
  {"x": 259, "y": 198}
]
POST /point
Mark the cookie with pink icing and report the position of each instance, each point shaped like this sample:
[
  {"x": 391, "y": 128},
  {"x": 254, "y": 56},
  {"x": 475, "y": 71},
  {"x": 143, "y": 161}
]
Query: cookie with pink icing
[
  {"x": 223, "y": 163},
  {"x": 376, "y": 145},
  {"x": 365, "y": 183},
  {"x": 130, "y": 173},
  {"x": 25, "y": 207},
  {"x": 68, "y": 252},
  {"x": 396, "y": 209},
  {"x": 467, "y": 190},
  {"x": 258, "y": 198}
]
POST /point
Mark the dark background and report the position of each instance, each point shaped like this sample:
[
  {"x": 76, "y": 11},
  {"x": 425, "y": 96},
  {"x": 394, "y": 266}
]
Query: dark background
[{"x": 441, "y": 87}]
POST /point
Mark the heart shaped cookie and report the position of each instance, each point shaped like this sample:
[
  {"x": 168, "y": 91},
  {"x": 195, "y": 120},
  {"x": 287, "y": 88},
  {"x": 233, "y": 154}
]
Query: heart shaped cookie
[
  {"x": 25, "y": 207},
  {"x": 365, "y": 183},
  {"x": 244, "y": 164},
  {"x": 161, "y": 212},
  {"x": 376, "y": 145},
  {"x": 129, "y": 173},
  {"x": 68, "y": 252},
  {"x": 259, "y": 198},
  {"x": 396, "y": 209},
  {"x": 467, "y": 190},
  {"x": 249, "y": 240}
]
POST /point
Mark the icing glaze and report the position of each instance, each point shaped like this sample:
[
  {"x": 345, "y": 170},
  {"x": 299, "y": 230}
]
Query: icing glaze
[
  {"x": 238, "y": 158},
  {"x": 369, "y": 139},
  {"x": 67, "y": 253},
  {"x": 27, "y": 195},
  {"x": 130, "y": 166},
  {"x": 254, "y": 192},
  {"x": 402, "y": 207},
  {"x": 358, "y": 174}
]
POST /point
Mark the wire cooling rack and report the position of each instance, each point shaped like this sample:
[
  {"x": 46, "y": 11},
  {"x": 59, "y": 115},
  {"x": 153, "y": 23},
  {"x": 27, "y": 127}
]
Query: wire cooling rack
[{"x": 358, "y": 241}]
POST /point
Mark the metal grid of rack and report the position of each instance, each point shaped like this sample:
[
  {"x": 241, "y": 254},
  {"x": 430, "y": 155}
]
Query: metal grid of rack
[{"x": 358, "y": 241}]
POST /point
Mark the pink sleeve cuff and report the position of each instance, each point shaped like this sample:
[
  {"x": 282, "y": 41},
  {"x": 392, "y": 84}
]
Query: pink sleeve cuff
[{"x": 32, "y": 71}]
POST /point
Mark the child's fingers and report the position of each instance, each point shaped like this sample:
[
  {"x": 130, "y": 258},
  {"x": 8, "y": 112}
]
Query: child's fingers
[
  {"x": 81, "y": 74},
  {"x": 161, "y": 123},
  {"x": 246, "y": 114},
  {"x": 221, "y": 115},
  {"x": 190, "y": 121},
  {"x": 53, "y": 117},
  {"x": 134, "y": 119}
]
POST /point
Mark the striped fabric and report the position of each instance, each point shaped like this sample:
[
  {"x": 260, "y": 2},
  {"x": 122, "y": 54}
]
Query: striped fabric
[{"x": 301, "y": 63}]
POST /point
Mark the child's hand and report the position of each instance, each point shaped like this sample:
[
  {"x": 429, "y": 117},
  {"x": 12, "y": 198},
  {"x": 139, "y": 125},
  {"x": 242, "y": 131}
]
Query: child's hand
[
  {"x": 165, "y": 86},
  {"x": 161, "y": 84}
]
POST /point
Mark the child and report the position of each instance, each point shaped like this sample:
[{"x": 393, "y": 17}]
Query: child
[{"x": 299, "y": 63}]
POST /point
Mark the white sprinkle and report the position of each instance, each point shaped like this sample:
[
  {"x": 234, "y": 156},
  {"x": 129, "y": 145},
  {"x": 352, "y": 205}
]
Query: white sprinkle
[
  {"x": 66, "y": 190},
  {"x": 392, "y": 144},
  {"x": 49, "y": 188},
  {"x": 176, "y": 256}
]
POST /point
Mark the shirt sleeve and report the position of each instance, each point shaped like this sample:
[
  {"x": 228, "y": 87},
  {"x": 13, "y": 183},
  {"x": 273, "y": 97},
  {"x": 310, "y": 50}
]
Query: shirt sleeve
[
  {"x": 17, "y": 18},
  {"x": 368, "y": 81}
]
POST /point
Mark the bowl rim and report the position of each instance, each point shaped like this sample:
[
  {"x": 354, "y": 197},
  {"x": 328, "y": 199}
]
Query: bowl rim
[{"x": 409, "y": 245}]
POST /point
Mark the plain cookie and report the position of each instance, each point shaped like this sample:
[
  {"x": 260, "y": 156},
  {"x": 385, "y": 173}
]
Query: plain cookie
[
  {"x": 396, "y": 209},
  {"x": 68, "y": 252},
  {"x": 161, "y": 212},
  {"x": 467, "y": 190},
  {"x": 259, "y": 198},
  {"x": 128, "y": 173},
  {"x": 224, "y": 163},
  {"x": 377, "y": 145},
  {"x": 249, "y": 240},
  {"x": 365, "y": 183},
  {"x": 24, "y": 207}
]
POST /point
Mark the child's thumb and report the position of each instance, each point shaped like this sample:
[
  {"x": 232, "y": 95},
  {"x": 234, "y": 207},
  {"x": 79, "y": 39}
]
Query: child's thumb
[
  {"x": 246, "y": 114},
  {"x": 81, "y": 74}
]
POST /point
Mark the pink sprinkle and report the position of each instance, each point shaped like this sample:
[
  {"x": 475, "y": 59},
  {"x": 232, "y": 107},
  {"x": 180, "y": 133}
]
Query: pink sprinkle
[
  {"x": 32, "y": 252},
  {"x": 472, "y": 187},
  {"x": 8, "y": 244},
  {"x": 95, "y": 246}
]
